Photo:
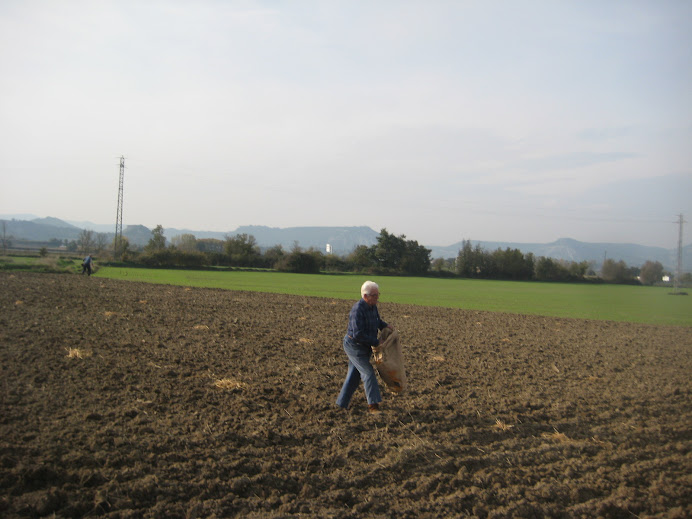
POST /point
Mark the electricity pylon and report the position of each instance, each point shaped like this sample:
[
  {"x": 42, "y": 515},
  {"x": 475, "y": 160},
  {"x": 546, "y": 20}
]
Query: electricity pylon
[
  {"x": 118, "y": 241},
  {"x": 678, "y": 271}
]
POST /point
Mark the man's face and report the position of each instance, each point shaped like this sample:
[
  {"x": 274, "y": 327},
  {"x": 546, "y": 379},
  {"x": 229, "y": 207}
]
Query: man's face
[{"x": 372, "y": 297}]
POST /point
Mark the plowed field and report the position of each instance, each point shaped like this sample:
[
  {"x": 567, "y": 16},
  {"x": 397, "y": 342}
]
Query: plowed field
[{"x": 124, "y": 399}]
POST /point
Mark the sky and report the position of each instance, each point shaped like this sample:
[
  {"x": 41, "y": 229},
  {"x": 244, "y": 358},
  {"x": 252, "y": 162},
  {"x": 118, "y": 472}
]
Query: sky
[{"x": 523, "y": 121}]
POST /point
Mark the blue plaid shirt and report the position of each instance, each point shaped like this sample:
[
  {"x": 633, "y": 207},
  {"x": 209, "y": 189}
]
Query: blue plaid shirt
[{"x": 363, "y": 323}]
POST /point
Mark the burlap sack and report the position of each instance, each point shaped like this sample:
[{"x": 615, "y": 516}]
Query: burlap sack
[{"x": 389, "y": 360}]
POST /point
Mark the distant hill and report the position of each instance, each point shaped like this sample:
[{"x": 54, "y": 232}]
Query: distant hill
[
  {"x": 47, "y": 229},
  {"x": 42, "y": 232},
  {"x": 104, "y": 228},
  {"x": 344, "y": 239},
  {"x": 55, "y": 222},
  {"x": 136, "y": 234}
]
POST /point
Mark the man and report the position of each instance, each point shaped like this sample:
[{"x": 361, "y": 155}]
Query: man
[
  {"x": 363, "y": 324},
  {"x": 86, "y": 265}
]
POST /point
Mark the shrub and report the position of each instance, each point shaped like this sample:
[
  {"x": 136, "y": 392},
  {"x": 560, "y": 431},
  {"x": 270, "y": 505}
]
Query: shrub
[
  {"x": 301, "y": 262},
  {"x": 172, "y": 258}
]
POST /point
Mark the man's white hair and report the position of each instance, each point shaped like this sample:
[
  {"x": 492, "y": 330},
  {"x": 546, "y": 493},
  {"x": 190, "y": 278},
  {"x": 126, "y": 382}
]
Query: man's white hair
[{"x": 368, "y": 287}]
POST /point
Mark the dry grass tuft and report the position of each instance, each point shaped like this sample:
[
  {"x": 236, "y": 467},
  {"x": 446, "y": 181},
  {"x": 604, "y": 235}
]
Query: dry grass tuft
[
  {"x": 598, "y": 441},
  {"x": 502, "y": 425},
  {"x": 557, "y": 436},
  {"x": 76, "y": 353},
  {"x": 229, "y": 383}
]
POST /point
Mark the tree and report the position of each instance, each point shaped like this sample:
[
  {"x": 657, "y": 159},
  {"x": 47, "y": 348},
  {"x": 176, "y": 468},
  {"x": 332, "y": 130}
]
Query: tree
[
  {"x": 615, "y": 272},
  {"x": 416, "y": 259},
  {"x": 473, "y": 262},
  {"x": 301, "y": 262},
  {"x": 242, "y": 250},
  {"x": 101, "y": 242},
  {"x": 273, "y": 255},
  {"x": 511, "y": 264},
  {"x": 185, "y": 242},
  {"x": 210, "y": 245},
  {"x": 157, "y": 241},
  {"x": 389, "y": 250},
  {"x": 121, "y": 248},
  {"x": 120, "y": 245},
  {"x": 85, "y": 242},
  {"x": 578, "y": 270},
  {"x": 465, "y": 264},
  {"x": 319, "y": 257},
  {"x": 618, "y": 272},
  {"x": 651, "y": 272},
  {"x": 395, "y": 253},
  {"x": 361, "y": 258},
  {"x": 173, "y": 257},
  {"x": 335, "y": 263},
  {"x": 6, "y": 240},
  {"x": 547, "y": 269}
]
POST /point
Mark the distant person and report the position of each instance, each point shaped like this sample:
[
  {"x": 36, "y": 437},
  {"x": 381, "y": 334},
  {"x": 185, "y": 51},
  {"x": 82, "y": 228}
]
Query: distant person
[
  {"x": 363, "y": 324},
  {"x": 87, "y": 265}
]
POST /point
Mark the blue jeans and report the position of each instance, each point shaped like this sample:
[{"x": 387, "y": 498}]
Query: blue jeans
[{"x": 359, "y": 367}]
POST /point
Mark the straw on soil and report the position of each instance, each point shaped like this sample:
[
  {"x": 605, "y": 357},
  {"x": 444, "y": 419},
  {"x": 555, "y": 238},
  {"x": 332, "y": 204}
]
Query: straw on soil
[
  {"x": 76, "y": 353},
  {"x": 557, "y": 436},
  {"x": 502, "y": 425},
  {"x": 229, "y": 383}
]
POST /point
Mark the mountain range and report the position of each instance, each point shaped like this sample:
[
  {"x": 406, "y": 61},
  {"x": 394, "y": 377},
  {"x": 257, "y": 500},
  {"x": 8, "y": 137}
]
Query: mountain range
[{"x": 344, "y": 239}]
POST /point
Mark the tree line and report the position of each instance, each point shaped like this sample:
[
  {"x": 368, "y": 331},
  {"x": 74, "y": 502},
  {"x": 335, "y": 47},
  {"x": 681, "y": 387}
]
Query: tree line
[
  {"x": 390, "y": 254},
  {"x": 512, "y": 264}
]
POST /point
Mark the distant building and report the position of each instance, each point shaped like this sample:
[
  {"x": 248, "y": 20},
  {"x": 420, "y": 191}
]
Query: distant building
[{"x": 329, "y": 249}]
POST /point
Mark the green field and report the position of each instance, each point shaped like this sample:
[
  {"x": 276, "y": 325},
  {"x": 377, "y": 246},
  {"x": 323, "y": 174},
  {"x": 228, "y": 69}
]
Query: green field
[
  {"x": 639, "y": 304},
  {"x": 50, "y": 263}
]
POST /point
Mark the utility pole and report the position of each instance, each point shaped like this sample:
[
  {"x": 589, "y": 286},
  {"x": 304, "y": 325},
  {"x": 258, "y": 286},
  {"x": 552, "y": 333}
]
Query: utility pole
[
  {"x": 678, "y": 271},
  {"x": 118, "y": 241}
]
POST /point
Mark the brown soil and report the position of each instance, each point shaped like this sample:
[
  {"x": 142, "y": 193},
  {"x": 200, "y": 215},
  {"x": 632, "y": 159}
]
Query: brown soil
[{"x": 132, "y": 400}]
